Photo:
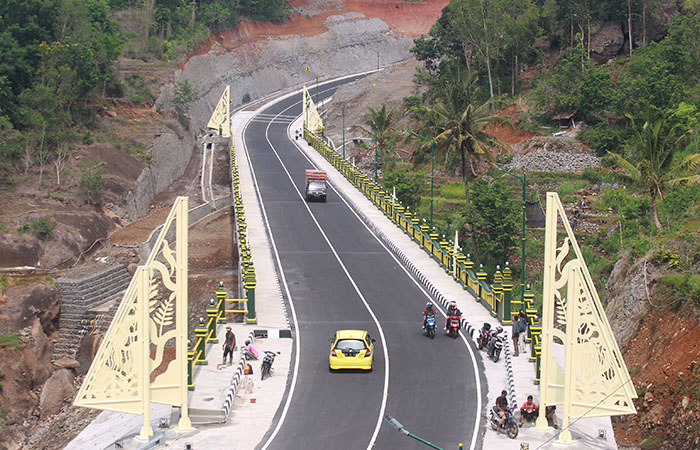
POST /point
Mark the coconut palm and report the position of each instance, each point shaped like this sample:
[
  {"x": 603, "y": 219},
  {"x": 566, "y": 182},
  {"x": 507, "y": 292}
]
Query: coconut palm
[
  {"x": 380, "y": 126},
  {"x": 650, "y": 161},
  {"x": 458, "y": 123}
]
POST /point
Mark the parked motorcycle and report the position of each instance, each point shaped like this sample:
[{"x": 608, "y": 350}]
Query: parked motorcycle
[
  {"x": 482, "y": 341},
  {"x": 453, "y": 326},
  {"x": 430, "y": 328},
  {"x": 496, "y": 341},
  {"x": 510, "y": 426},
  {"x": 268, "y": 359}
]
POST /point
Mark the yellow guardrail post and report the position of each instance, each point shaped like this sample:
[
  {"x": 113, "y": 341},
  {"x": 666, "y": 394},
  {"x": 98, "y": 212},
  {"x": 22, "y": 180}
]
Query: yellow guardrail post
[
  {"x": 497, "y": 289},
  {"x": 201, "y": 347},
  {"x": 190, "y": 362},
  {"x": 508, "y": 292},
  {"x": 481, "y": 277},
  {"x": 220, "y": 297},
  {"x": 250, "y": 294},
  {"x": 530, "y": 311},
  {"x": 211, "y": 322}
]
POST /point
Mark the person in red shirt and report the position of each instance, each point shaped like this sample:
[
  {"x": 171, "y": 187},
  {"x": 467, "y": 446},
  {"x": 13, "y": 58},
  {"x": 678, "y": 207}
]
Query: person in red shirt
[{"x": 528, "y": 411}]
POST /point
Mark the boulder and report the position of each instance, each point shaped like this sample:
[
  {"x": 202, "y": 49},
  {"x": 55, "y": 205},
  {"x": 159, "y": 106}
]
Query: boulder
[
  {"x": 24, "y": 303},
  {"x": 37, "y": 355},
  {"x": 58, "y": 388},
  {"x": 67, "y": 363},
  {"x": 607, "y": 42},
  {"x": 87, "y": 351}
]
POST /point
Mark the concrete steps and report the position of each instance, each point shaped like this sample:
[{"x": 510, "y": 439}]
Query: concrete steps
[{"x": 200, "y": 416}]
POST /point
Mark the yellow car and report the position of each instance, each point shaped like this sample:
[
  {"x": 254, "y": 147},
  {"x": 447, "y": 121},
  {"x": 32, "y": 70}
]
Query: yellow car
[{"x": 351, "y": 349}]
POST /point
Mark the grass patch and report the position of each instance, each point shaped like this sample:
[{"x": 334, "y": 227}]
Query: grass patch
[
  {"x": 7, "y": 282},
  {"x": 569, "y": 187},
  {"x": 137, "y": 149},
  {"x": 10, "y": 341},
  {"x": 651, "y": 443},
  {"x": 675, "y": 287},
  {"x": 453, "y": 189}
]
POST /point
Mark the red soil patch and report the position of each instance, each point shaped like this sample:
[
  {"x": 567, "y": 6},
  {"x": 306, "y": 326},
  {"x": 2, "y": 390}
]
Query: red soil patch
[
  {"x": 663, "y": 361},
  {"x": 408, "y": 18},
  {"x": 510, "y": 134}
]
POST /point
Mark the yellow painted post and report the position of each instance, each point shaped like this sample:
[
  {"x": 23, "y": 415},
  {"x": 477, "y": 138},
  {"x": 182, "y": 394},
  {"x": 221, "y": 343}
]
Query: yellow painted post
[
  {"x": 201, "y": 347},
  {"x": 212, "y": 311},
  {"x": 508, "y": 302},
  {"x": 250, "y": 283},
  {"x": 530, "y": 311},
  {"x": 221, "y": 297},
  {"x": 497, "y": 289},
  {"x": 144, "y": 288},
  {"x": 190, "y": 362},
  {"x": 424, "y": 230},
  {"x": 535, "y": 332},
  {"x": 480, "y": 276}
]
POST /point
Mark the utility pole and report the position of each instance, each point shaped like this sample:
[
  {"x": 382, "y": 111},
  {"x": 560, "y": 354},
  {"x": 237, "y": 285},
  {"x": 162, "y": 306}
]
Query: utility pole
[{"x": 343, "y": 131}]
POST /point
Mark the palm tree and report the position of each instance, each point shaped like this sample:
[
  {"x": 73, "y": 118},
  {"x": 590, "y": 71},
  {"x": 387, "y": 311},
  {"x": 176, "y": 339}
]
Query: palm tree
[
  {"x": 380, "y": 126},
  {"x": 458, "y": 123},
  {"x": 651, "y": 163}
]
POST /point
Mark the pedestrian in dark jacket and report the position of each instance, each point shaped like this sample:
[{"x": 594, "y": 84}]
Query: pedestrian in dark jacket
[{"x": 229, "y": 345}]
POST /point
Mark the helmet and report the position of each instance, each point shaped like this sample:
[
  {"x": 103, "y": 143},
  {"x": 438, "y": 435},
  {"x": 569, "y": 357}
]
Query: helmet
[
  {"x": 452, "y": 306},
  {"x": 429, "y": 305},
  {"x": 221, "y": 284}
]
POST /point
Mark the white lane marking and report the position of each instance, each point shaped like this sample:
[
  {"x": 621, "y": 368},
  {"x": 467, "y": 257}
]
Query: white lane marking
[
  {"x": 385, "y": 389},
  {"x": 475, "y": 368}
]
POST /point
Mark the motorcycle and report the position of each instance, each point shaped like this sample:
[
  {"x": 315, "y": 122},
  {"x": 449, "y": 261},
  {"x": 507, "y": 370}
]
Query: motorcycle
[
  {"x": 268, "y": 359},
  {"x": 509, "y": 425},
  {"x": 497, "y": 341},
  {"x": 430, "y": 327},
  {"x": 482, "y": 341},
  {"x": 453, "y": 326}
]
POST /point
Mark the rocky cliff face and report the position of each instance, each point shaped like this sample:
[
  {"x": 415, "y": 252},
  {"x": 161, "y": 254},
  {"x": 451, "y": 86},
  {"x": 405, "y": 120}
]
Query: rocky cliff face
[{"x": 258, "y": 68}]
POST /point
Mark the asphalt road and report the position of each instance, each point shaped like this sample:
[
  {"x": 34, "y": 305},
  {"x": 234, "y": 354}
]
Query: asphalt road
[{"x": 336, "y": 275}]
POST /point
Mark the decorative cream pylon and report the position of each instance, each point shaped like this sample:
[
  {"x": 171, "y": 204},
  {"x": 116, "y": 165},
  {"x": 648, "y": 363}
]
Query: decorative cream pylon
[
  {"x": 150, "y": 315},
  {"x": 312, "y": 118},
  {"x": 595, "y": 381},
  {"x": 220, "y": 117}
]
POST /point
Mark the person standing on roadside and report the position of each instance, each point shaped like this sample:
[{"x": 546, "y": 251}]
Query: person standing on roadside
[
  {"x": 229, "y": 345},
  {"x": 523, "y": 329}
]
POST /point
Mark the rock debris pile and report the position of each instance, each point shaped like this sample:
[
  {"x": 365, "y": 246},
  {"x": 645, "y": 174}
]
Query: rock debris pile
[{"x": 544, "y": 161}]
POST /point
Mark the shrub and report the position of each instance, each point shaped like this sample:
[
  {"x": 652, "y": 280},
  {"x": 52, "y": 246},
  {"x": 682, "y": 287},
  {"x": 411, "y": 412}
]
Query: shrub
[
  {"x": 591, "y": 175},
  {"x": 91, "y": 184},
  {"x": 620, "y": 200},
  {"x": 43, "y": 228},
  {"x": 183, "y": 96},
  {"x": 137, "y": 90},
  {"x": 603, "y": 137},
  {"x": 88, "y": 138}
]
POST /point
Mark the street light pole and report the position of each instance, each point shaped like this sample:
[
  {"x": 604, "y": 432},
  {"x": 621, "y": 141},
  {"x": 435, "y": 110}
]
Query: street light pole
[
  {"x": 343, "y": 131},
  {"x": 396, "y": 424},
  {"x": 316, "y": 90},
  {"x": 523, "y": 180},
  {"x": 432, "y": 170}
]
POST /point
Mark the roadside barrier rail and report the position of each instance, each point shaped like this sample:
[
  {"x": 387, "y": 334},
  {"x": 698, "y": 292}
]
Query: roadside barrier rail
[
  {"x": 496, "y": 296},
  {"x": 246, "y": 272}
]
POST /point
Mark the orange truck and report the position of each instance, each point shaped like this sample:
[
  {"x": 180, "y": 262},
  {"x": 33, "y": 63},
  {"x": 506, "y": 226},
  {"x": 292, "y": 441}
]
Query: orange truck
[{"x": 316, "y": 186}]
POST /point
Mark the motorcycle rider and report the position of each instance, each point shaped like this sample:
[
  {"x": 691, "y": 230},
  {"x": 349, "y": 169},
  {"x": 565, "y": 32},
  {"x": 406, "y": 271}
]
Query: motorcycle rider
[
  {"x": 453, "y": 313},
  {"x": 428, "y": 311},
  {"x": 502, "y": 408}
]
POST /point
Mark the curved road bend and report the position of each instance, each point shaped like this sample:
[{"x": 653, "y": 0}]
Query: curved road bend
[{"x": 432, "y": 385}]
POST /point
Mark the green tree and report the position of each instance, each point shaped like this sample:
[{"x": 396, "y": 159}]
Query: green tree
[
  {"x": 183, "y": 96},
  {"x": 380, "y": 125},
  {"x": 494, "y": 215},
  {"x": 650, "y": 161},
  {"x": 409, "y": 186},
  {"x": 458, "y": 123}
]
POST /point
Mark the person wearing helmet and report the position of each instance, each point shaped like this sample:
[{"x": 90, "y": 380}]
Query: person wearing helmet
[
  {"x": 428, "y": 311},
  {"x": 453, "y": 313}
]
